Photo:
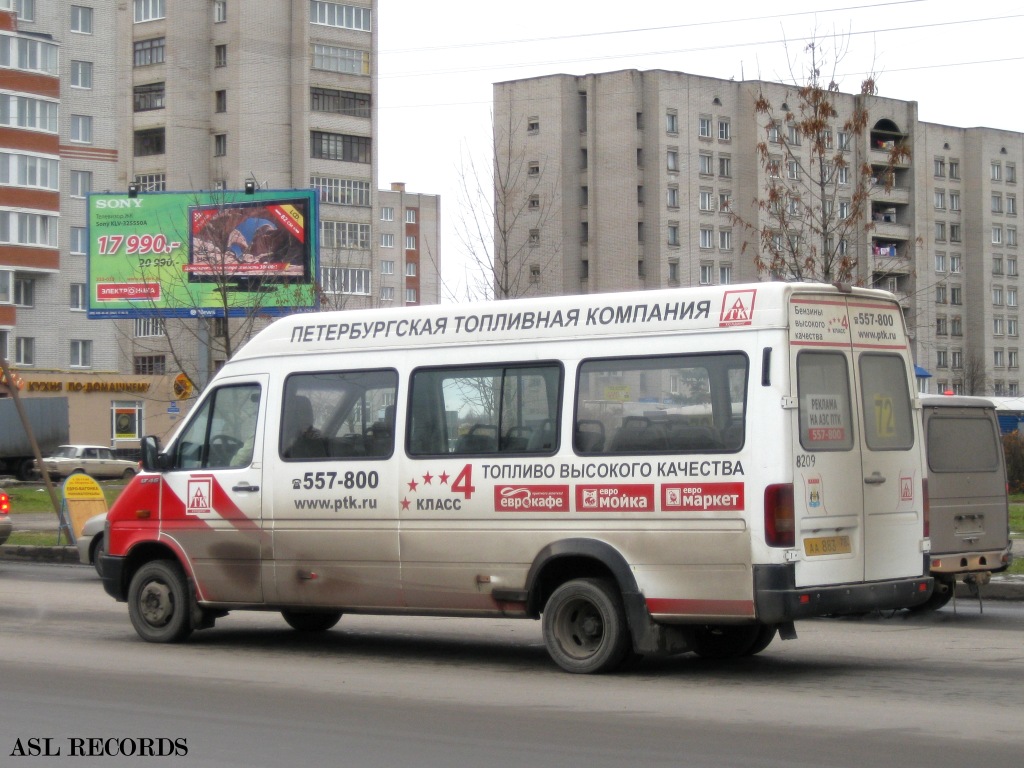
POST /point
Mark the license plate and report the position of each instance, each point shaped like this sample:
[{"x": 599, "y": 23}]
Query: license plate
[{"x": 827, "y": 545}]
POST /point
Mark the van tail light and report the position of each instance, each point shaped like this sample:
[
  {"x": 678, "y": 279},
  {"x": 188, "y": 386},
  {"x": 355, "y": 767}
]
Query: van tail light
[
  {"x": 927, "y": 509},
  {"x": 779, "y": 528}
]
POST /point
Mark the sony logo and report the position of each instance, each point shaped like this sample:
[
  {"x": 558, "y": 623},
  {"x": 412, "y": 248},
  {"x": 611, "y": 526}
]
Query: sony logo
[{"x": 129, "y": 203}]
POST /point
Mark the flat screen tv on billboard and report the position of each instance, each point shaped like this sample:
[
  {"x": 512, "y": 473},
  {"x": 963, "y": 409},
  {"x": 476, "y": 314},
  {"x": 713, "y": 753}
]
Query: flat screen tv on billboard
[{"x": 202, "y": 254}]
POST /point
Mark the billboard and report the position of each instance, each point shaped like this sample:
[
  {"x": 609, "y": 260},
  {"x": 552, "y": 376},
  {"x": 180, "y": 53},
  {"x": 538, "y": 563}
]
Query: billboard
[{"x": 202, "y": 254}]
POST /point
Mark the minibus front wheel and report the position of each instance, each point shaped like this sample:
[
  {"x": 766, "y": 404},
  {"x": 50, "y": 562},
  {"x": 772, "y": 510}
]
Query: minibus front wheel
[
  {"x": 158, "y": 602},
  {"x": 311, "y": 622},
  {"x": 585, "y": 628}
]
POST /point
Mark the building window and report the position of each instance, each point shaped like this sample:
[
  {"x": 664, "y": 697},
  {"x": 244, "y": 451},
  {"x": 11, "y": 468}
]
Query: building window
[
  {"x": 148, "y": 10},
  {"x": 81, "y": 74},
  {"x": 584, "y": 196},
  {"x": 345, "y": 280},
  {"x": 940, "y": 168},
  {"x": 410, "y": 242},
  {"x": 940, "y": 294},
  {"x": 339, "y": 146},
  {"x": 997, "y": 203},
  {"x": 673, "y": 272},
  {"x": 997, "y": 358},
  {"x": 533, "y": 203},
  {"x": 341, "y": 191},
  {"x": 79, "y": 297},
  {"x": 1011, "y": 205},
  {"x": 220, "y": 101},
  {"x": 940, "y": 262},
  {"x": 704, "y": 127},
  {"x": 672, "y": 122},
  {"x": 793, "y": 169},
  {"x": 725, "y": 239},
  {"x": 351, "y": 103},
  {"x": 941, "y": 358},
  {"x": 149, "y": 327},
  {"x": 954, "y": 201},
  {"x": 146, "y": 52},
  {"x": 707, "y": 237},
  {"x": 24, "y": 292},
  {"x": 387, "y": 293},
  {"x": 940, "y": 199},
  {"x": 333, "y": 58},
  {"x": 705, "y": 199},
  {"x": 22, "y": 170},
  {"x": 724, "y": 130},
  {"x": 954, "y": 233},
  {"x": 149, "y": 365},
  {"x": 725, "y": 167},
  {"x": 793, "y": 135},
  {"x": 725, "y": 202},
  {"x": 534, "y": 238},
  {"x": 81, "y": 183},
  {"x": 339, "y": 15},
  {"x": 997, "y": 235},
  {"x": 997, "y": 265},
  {"x": 1011, "y": 236},
  {"x": 706, "y": 273},
  {"x": 149, "y": 142},
  {"x": 387, "y": 213},
  {"x": 533, "y": 126},
  {"x": 410, "y": 215},
  {"x": 81, "y": 129},
  {"x": 220, "y": 55},
  {"x": 725, "y": 274},
  {"x": 410, "y": 295},
  {"x": 1011, "y": 296},
  {"x": 387, "y": 267},
  {"x": 220, "y": 11},
  {"x": 843, "y": 139},
  {"x": 958, "y": 359},
  {"x": 672, "y": 160},
  {"x": 147, "y": 97},
  {"x": 344, "y": 234},
  {"x": 996, "y": 171},
  {"x": 954, "y": 263},
  {"x": 997, "y": 326},
  {"x": 1011, "y": 326},
  {"x": 940, "y": 230},
  {"x": 956, "y": 295},
  {"x": 387, "y": 240},
  {"x": 940, "y": 326},
  {"x": 81, "y": 353},
  {"x": 81, "y": 19},
  {"x": 410, "y": 269},
  {"x": 151, "y": 182},
  {"x": 533, "y": 169},
  {"x": 673, "y": 234},
  {"x": 706, "y": 164},
  {"x": 584, "y": 231},
  {"x": 79, "y": 241},
  {"x": 25, "y": 351},
  {"x": 220, "y": 144},
  {"x": 1011, "y": 173},
  {"x": 672, "y": 197}
]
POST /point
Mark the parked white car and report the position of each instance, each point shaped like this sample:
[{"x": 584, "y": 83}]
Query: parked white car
[
  {"x": 94, "y": 460},
  {"x": 90, "y": 541}
]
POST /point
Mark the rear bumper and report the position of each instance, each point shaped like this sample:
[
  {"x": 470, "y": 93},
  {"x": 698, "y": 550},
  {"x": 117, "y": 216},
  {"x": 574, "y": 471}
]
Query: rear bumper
[
  {"x": 969, "y": 562},
  {"x": 777, "y": 598}
]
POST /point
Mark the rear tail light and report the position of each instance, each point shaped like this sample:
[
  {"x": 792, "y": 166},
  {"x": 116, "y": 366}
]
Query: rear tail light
[
  {"x": 927, "y": 509},
  {"x": 779, "y": 528},
  {"x": 5, "y": 503}
]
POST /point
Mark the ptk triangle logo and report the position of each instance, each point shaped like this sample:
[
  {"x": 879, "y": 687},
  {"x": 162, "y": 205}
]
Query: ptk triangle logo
[{"x": 738, "y": 308}]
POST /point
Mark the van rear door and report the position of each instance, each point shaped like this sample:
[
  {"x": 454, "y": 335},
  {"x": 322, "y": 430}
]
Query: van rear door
[{"x": 858, "y": 475}]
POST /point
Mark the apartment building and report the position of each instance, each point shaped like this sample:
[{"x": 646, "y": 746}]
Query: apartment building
[
  {"x": 630, "y": 180},
  {"x": 151, "y": 96}
]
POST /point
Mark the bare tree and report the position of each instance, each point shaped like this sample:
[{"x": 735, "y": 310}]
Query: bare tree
[
  {"x": 816, "y": 203},
  {"x": 508, "y": 214},
  {"x": 973, "y": 378}
]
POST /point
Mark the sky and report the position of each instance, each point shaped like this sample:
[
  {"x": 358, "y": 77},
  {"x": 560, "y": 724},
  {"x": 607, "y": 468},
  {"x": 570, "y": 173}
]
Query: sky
[{"x": 438, "y": 59}]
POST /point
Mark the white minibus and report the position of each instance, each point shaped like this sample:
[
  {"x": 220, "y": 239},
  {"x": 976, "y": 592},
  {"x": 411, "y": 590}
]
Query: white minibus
[{"x": 646, "y": 473}]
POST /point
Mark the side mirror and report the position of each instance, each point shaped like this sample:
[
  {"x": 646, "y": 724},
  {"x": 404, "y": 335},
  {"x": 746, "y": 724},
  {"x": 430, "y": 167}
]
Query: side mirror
[{"x": 152, "y": 459}]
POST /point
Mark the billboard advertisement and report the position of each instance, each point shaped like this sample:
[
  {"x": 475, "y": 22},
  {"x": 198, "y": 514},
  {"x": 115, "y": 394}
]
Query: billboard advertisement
[{"x": 202, "y": 254}]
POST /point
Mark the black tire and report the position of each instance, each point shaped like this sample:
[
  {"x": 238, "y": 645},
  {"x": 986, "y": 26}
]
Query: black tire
[
  {"x": 941, "y": 594},
  {"x": 585, "y": 627},
  {"x": 97, "y": 548},
  {"x": 128, "y": 474},
  {"x": 159, "y": 602},
  {"x": 311, "y": 622},
  {"x": 725, "y": 641}
]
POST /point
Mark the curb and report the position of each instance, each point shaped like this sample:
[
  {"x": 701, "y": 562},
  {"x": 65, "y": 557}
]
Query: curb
[{"x": 35, "y": 554}]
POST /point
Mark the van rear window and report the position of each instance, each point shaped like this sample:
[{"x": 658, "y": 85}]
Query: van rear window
[{"x": 962, "y": 444}]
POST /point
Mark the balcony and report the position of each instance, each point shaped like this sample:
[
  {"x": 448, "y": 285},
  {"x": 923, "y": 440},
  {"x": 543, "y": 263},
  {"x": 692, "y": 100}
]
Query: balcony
[{"x": 892, "y": 196}]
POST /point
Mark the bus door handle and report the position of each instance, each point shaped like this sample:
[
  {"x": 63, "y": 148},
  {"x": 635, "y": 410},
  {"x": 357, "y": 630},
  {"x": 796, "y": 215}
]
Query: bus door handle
[
  {"x": 245, "y": 487},
  {"x": 876, "y": 478}
]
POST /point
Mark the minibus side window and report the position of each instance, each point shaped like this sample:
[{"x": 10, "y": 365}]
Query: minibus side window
[
  {"x": 222, "y": 434},
  {"x": 670, "y": 404},
  {"x": 491, "y": 409},
  {"x": 823, "y": 386},
  {"x": 338, "y": 415},
  {"x": 885, "y": 396}
]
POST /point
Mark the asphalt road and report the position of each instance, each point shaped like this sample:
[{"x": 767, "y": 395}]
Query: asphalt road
[{"x": 936, "y": 691}]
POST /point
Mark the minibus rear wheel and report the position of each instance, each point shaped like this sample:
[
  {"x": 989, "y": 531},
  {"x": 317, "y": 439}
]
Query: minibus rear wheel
[
  {"x": 311, "y": 622},
  {"x": 585, "y": 627},
  {"x": 158, "y": 602}
]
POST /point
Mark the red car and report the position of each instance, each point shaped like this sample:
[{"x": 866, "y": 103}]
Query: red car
[{"x": 5, "y": 517}]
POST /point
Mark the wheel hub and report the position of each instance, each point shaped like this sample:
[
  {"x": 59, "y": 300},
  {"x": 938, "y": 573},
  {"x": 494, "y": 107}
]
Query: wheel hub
[{"x": 156, "y": 603}]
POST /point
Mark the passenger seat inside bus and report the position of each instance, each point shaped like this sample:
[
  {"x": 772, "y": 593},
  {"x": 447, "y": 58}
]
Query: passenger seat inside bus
[
  {"x": 637, "y": 434},
  {"x": 301, "y": 439}
]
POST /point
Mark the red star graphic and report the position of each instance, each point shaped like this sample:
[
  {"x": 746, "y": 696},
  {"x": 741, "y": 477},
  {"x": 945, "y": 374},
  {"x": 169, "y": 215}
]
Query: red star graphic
[
  {"x": 405, "y": 503},
  {"x": 443, "y": 478},
  {"x": 413, "y": 484},
  {"x": 427, "y": 478}
]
